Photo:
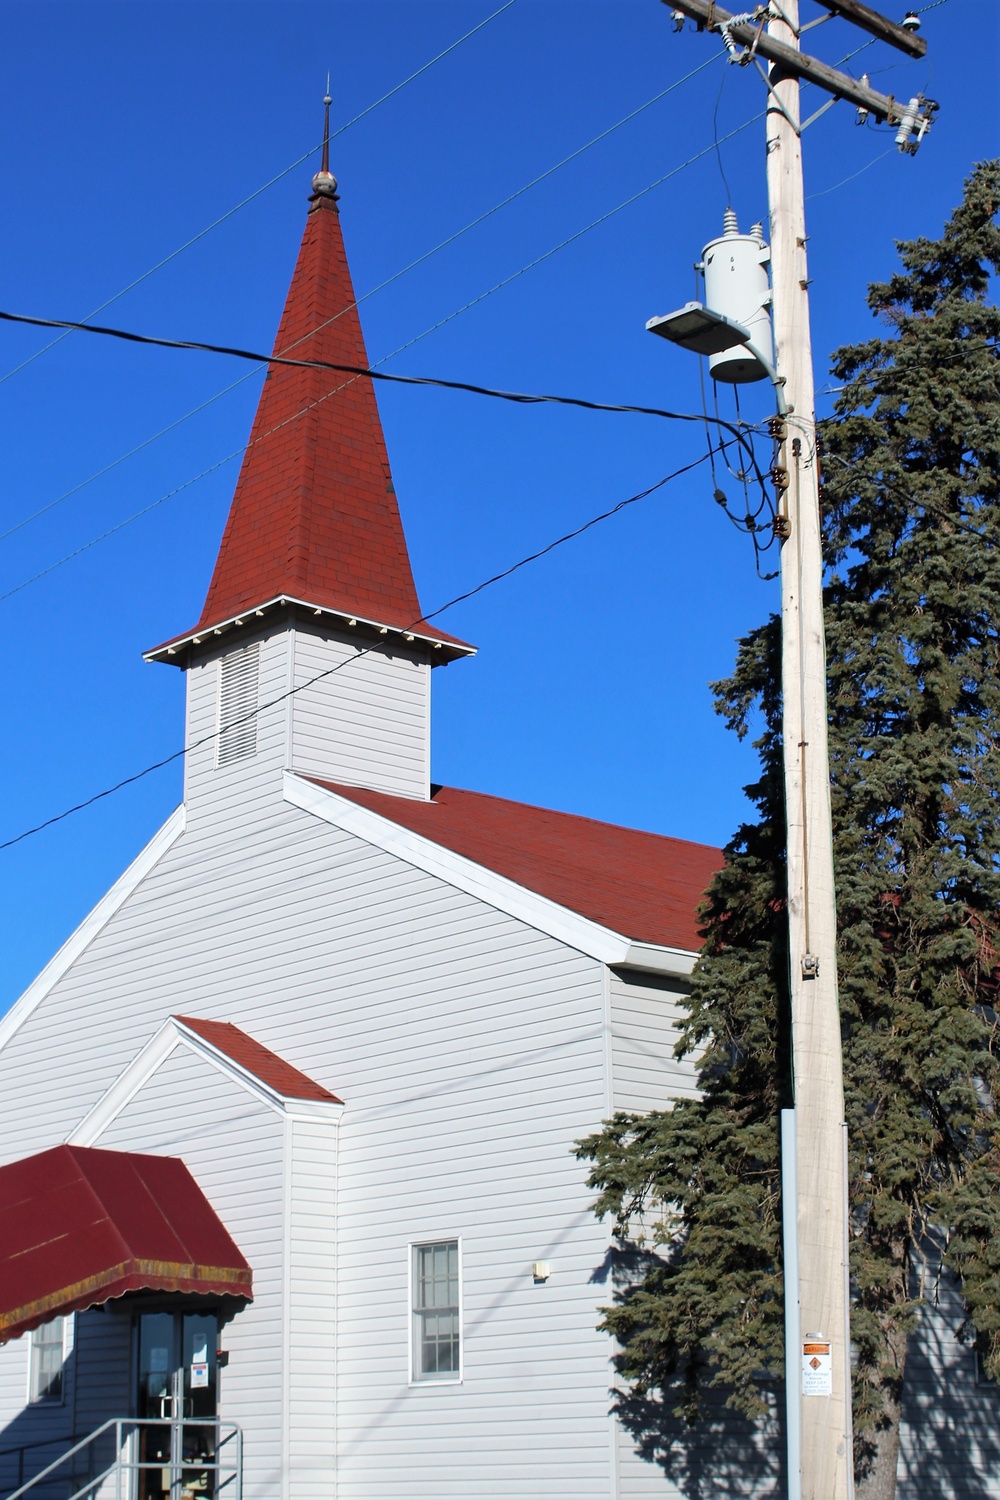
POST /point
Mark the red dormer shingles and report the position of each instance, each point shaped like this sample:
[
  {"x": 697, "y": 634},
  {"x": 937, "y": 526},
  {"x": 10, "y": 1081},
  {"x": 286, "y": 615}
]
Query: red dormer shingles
[
  {"x": 314, "y": 516},
  {"x": 257, "y": 1059}
]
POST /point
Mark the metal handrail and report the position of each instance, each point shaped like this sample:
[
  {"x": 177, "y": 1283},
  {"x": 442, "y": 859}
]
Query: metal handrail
[
  {"x": 125, "y": 1430},
  {"x": 58, "y": 1463}
]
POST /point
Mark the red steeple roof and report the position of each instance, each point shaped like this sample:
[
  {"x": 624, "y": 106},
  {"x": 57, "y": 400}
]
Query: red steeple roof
[{"x": 314, "y": 517}]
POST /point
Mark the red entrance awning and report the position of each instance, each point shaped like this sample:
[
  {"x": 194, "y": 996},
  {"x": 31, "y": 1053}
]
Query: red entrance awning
[{"x": 80, "y": 1226}]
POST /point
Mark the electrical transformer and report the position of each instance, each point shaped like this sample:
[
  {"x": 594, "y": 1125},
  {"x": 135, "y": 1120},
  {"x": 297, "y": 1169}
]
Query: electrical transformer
[{"x": 736, "y": 285}]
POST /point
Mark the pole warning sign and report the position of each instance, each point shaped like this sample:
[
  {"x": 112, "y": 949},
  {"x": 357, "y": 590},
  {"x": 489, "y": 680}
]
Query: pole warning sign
[{"x": 817, "y": 1368}]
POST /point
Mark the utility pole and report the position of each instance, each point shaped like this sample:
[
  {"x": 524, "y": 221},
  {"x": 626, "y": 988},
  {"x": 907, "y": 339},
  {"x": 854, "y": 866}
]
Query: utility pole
[
  {"x": 818, "y": 1367},
  {"x": 824, "y": 1414}
]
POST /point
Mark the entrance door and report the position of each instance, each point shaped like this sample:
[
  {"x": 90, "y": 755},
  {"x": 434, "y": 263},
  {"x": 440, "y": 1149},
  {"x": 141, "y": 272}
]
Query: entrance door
[{"x": 177, "y": 1405}]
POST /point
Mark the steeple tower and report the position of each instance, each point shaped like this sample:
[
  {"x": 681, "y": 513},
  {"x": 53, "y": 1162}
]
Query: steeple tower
[
  {"x": 312, "y": 583},
  {"x": 314, "y": 519}
]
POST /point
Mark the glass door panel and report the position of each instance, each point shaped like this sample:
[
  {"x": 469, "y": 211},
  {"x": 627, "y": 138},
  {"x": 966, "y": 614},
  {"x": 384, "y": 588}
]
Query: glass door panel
[
  {"x": 157, "y": 1400},
  {"x": 200, "y": 1336},
  {"x": 177, "y": 1406}
]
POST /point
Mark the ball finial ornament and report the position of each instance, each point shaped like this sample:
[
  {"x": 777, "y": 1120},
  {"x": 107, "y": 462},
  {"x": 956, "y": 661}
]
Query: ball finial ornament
[{"x": 325, "y": 184}]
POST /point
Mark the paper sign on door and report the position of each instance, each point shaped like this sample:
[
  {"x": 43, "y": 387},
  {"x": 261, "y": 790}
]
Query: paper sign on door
[
  {"x": 817, "y": 1368},
  {"x": 199, "y": 1376}
]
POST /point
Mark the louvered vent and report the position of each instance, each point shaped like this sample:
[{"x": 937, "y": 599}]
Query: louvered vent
[{"x": 238, "y": 675}]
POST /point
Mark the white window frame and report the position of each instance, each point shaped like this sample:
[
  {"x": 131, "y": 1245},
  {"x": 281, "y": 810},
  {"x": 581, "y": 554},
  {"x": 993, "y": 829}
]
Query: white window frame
[
  {"x": 414, "y": 1378},
  {"x": 68, "y": 1332}
]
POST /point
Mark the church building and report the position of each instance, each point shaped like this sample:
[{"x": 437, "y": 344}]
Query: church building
[{"x": 289, "y": 1204}]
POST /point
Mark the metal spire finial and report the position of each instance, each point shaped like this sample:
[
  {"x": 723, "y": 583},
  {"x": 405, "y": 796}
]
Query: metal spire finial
[{"x": 324, "y": 183}]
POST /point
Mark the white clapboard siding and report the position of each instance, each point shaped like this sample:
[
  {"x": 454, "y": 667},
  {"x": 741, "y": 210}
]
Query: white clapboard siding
[
  {"x": 102, "y": 1369},
  {"x": 365, "y": 724},
  {"x": 234, "y": 1146},
  {"x": 470, "y": 1052},
  {"x": 311, "y": 1334},
  {"x": 646, "y": 1018}
]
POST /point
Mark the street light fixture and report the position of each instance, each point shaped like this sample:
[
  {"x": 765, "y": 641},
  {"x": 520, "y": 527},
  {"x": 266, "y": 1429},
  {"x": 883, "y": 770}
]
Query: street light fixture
[
  {"x": 696, "y": 327},
  {"x": 704, "y": 331}
]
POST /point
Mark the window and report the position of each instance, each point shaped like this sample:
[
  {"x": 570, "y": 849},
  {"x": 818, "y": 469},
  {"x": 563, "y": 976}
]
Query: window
[
  {"x": 238, "y": 674},
  {"x": 437, "y": 1334},
  {"x": 45, "y": 1378}
]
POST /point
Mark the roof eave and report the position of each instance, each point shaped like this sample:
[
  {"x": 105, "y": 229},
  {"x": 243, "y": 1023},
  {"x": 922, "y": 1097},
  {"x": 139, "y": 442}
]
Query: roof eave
[
  {"x": 652, "y": 958},
  {"x": 173, "y": 651}
]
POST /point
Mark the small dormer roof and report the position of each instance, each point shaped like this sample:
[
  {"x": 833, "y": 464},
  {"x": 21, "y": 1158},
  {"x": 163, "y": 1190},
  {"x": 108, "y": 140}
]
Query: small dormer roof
[{"x": 259, "y": 1061}]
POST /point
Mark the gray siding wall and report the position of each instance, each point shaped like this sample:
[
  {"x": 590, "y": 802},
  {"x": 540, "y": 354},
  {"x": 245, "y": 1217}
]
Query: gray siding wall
[
  {"x": 469, "y": 1049},
  {"x": 950, "y": 1431},
  {"x": 42, "y": 1430},
  {"x": 646, "y": 1018},
  {"x": 95, "y": 1388},
  {"x": 366, "y": 724},
  {"x": 724, "y": 1457}
]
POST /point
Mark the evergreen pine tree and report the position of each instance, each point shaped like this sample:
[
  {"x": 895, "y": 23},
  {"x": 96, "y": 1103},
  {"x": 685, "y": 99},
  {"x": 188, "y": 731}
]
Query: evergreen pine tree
[{"x": 911, "y": 515}]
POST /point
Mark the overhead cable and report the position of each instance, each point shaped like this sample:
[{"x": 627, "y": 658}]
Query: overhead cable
[
  {"x": 258, "y": 191},
  {"x": 361, "y": 652},
  {"x": 368, "y": 372},
  {"x": 357, "y": 373}
]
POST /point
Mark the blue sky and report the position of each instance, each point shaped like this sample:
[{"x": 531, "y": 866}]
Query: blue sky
[{"x": 132, "y": 126}]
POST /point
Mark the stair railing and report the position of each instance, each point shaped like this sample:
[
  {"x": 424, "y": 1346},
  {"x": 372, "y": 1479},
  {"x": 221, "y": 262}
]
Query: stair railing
[{"x": 226, "y": 1462}]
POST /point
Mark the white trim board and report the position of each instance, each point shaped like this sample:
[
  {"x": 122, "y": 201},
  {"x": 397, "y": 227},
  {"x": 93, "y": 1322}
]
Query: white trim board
[
  {"x": 93, "y": 924},
  {"x": 678, "y": 962},
  {"x": 486, "y": 885},
  {"x": 173, "y": 1034}
]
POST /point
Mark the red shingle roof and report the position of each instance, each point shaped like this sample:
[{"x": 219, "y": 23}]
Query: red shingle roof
[
  {"x": 257, "y": 1059},
  {"x": 314, "y": 516},
  {"x": 643, "y": 885}
]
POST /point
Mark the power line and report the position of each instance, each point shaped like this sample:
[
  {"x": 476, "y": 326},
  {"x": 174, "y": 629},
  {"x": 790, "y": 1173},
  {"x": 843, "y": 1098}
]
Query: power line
[
  {"x": 906, "y": 368},
  {"x": 358, "y": 372},
  {"x": 498, "y": 286},
  {"x": 123, "y": 458},
  {"x": 258, "y": 191},
  {"x": 925, "y": 505},
  {"x": 844, "y": 181},
  {"x": 361, "y": 652},
  {"x": 595, "y": 223},
  {"x": 367, "y": 371},
  {"x": 420, "y": 260}
]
